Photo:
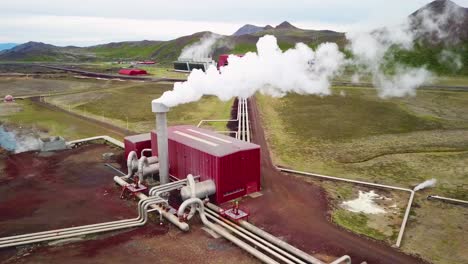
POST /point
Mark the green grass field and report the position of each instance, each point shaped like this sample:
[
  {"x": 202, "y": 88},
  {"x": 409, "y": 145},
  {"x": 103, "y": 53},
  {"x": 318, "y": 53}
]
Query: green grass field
[
  {"x": 133, "y": 104},
  {"x": 399, "y": 142},
  {"x": 54, "y": 123}
]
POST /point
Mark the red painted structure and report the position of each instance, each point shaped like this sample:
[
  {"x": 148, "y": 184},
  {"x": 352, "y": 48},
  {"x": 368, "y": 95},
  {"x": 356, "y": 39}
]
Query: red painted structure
[
  {"x": 8, "y": 99},
  {"x": 223, "y": 59},
  {"x": 132, "y": 72},
  {"x": 233, "y": 165},
  {"x": 137, "y": 143}
]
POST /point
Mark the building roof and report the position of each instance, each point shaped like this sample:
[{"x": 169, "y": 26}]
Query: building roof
[
  {"x": 138, "y": 138},
  {"x": 132, "y": 71},
  {"x": 208, "y": 141}
]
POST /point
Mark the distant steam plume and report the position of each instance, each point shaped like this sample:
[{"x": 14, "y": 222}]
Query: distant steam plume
[
  {"x": 306, "y": 71},
  {"x": 425, "y": 184},
  {"x": 201, "y": 49},
  {"x": 270, "y": 71}
]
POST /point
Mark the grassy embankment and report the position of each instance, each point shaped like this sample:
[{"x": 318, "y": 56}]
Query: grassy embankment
[
  {"x": 133, "y": 104},
  {"x": 398, "y": 142}
]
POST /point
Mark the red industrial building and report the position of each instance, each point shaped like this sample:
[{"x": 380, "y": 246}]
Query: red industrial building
[
  {"x": 8, "y": 99},
  {"x": 137, "y": 143},
  {"x": 233, "y": 165},
  {"x": 132, "y": 72},
  {"x": 223, "y": 59}
]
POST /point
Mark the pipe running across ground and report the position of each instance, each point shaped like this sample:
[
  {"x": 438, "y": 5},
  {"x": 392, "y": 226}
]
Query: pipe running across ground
[{"x": 408, "y": 207}]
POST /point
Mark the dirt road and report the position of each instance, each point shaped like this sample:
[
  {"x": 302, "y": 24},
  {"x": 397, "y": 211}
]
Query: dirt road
[{"x": 298, "y": 212}]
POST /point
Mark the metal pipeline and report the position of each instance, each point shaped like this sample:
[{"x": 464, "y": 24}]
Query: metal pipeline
[
  {"x": 448, "y": 200},
  {"x": 221, "y": 231},
  {"x": 87, "y": 229},
  {"x": 145, "y": 168},
  {"x": 254, "y": 239},
  {"x": 111, "y": 140},
  {"x": 405, "y": 219},
  {"x": 272, "y": 239},
  {"x": 172, "y": 218},
  {"x": 408, "y": 208}
]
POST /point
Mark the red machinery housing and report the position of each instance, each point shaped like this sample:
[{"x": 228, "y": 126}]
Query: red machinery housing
[
  {"x": 132, "y": 72},
  {"x": 223, "y": 59},
  {"x": 137, "y": 143},
  {"x": 233, "y": 165}
]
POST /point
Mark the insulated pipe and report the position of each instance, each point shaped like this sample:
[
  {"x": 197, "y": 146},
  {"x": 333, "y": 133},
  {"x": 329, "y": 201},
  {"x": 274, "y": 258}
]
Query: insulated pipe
[
  {"x": 111, "y": 140},
  {"x": 408, "y": 208},
  {"x": 172, "y": 218},
  {"x": 161, "y": 188},
  {"x": 405, "y": 219},
  {"x": 223, "y": 232},
  {"x": 84, "y": 230},
  {"x": 145, "y": 168},
  {"x": 257, "y": 241},
  {"x": 161, "y": 130},
  {"x": 272, "y": 239},
  {"x": 131, "y": 164},
  {"x": 448, "y": 200},
  {"x": 145, "y": 150}
]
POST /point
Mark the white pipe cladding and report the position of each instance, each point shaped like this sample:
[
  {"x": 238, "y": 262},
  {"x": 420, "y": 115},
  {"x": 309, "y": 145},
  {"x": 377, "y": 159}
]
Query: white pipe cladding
[
  {"x": 172, "y": 218},
  {"x": 161, "y": 130},
  {"x": 221, "y": 231}
]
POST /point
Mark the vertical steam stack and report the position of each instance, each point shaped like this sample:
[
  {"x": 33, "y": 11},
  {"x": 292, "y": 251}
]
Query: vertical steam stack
[{"x": 161, "y": 130}]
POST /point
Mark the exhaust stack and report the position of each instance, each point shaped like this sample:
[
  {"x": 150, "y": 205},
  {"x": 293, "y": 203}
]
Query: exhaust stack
[{"x": 161, "y": 130}]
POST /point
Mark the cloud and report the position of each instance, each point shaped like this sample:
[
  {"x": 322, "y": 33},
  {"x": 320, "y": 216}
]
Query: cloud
[{"x": 76, "y": 30}]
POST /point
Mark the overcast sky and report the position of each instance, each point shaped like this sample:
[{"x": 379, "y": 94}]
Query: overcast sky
[{"x": 89, "y": 22}]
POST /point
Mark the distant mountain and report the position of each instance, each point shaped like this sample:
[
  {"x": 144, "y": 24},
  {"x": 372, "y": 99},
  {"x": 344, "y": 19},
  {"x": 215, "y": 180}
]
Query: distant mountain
[
  {"x": 5, "y": 46},
  {"x": 285, "y": 25},
  {"x": 455, "y": 28},
  {"x": 248, "y": 29},
  {"x": 242, "y": 41}
]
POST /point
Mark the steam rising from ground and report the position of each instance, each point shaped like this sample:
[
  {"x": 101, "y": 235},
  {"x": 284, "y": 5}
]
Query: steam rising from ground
[
  {"x": 18, "y": 142},
  {"x": 425, "y": 184},
  {"x": 365, "y": 203},
  {"x": 306, "y": 71},
  {"x": 201, "y": 49}
]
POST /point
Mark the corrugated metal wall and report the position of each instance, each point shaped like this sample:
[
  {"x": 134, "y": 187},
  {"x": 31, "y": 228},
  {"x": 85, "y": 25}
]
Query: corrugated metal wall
[{"x": 235, "y": 175}]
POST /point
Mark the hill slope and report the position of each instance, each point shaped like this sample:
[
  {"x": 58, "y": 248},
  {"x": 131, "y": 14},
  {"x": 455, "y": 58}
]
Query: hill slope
[{"x": 244, "y": 40}]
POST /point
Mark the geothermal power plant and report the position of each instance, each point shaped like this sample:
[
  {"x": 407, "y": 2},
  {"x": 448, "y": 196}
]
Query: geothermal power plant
[{"x": 180, "y": 171}]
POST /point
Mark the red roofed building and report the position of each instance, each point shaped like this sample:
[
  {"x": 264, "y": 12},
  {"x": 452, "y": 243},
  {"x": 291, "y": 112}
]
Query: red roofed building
[
  {"x": 132, "y": 72},
  {"x": 8, "y": 99},
  {"x": 233, "y": 165}
]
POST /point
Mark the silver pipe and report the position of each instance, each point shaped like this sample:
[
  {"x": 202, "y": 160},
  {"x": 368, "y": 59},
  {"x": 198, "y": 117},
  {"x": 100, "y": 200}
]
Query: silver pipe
[
  {"x": 131, "y": 164},
  {"x": 83, "y": 230},
  {"x": 247, "y": 119},
  {"x": 106, "y": 138},
  {"x": 272, "y": 239},
  {"x": 446, "y": 199},
  {"x": 405, "y": 219},
  {"x": 408, "y": 208},
  {"x": 258, "y": 241},
  {"x": 344, "y": 259},
  {"x": 172, "y": 218},
  {"x": 145, "y": 150},
  {"x": 161, "y": 129},
  {"x": 345, "y": 180},
  {"x": 223, "y": 232}
]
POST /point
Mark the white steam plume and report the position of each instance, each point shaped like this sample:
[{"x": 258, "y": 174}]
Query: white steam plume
[
  {"x": 305, "y": 71},
  {"x": 201, "y": 49},
  {"x": 371, "y": 49},
  {"x": 425, "y": 184},
  {"x": 270, "y": 71}
]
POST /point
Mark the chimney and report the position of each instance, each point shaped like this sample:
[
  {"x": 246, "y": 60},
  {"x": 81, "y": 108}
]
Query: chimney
[{"x": 161, "y": 130}]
